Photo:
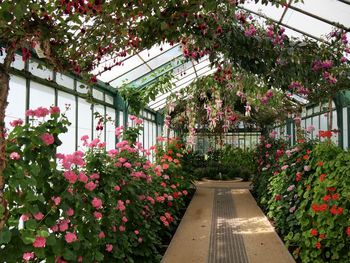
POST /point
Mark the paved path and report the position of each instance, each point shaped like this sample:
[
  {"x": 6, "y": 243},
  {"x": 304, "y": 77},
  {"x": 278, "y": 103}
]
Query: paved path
[{"x": 223, "y": 224}]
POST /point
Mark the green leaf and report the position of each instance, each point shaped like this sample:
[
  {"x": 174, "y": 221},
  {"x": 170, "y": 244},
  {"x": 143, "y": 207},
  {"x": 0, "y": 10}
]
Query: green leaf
[
  {"x": 7, "y": 16},
  {"x": 51, "y": 241},
  {"x": 31, "y": 224},
  {"x": 99, "y": 256},
  {"x": 5, "y": 236},
  {"x": 69, "y": 255}
]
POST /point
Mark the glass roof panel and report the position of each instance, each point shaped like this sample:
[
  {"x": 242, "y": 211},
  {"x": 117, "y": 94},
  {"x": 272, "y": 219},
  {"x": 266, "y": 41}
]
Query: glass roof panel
[
  {"x": 131, "y": 75},
  {"x": 268, "y": 10},
  {"x": 154, "y": 74},
  {"x": 165, "y": 57},
  {"x": 117, "y": 71},
  {"x": 307, "y": 24},
  {"x": 332, "y": 10},
  {"x": 148, "y": 54},
  {"x": 108, "y": 62}
]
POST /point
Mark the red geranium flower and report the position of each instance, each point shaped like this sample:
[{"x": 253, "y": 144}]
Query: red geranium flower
[
  {"x": 326, "y": 198},
  {"x": 314, "y": 232},
  {"x": 325, "y": 134},
  {"x": 322, "y": 177},
  {"x": 348, "y": 231},
  {"x": 318, "y": 245}
]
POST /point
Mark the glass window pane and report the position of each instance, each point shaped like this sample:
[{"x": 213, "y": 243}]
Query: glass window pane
[
  {"x": 110, "y": 129},
  {"x": 41, "y": 96},
  {"x": 82, "y": 88},
  {"x": 345, "y": 128},
  {"x": 323, "y": 122},
  {"x": 66, "y": 100},
  {"x": 121, "y": 118},
  {"x": 16, "y": 99},
  {"x": 84, "y": 119},
  {"x": 335, "y": 127},
  {"x": 146, "y": 135},
  {"x": 101, "y": 111},
  {"x": 65, "y": 81},
  {"x": 18, "y": 63},
  {"x": 315, "y": 123},
  {"x": 109, "y": 99},
  {"x": 42, "y": 72},
  {"x": 97, "y": 94}
]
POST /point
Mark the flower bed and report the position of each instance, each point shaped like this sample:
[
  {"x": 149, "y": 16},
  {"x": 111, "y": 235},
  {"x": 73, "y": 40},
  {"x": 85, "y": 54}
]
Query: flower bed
[
  {"x": 92, "y": 205},
  {"x": 305, "y": 192}
]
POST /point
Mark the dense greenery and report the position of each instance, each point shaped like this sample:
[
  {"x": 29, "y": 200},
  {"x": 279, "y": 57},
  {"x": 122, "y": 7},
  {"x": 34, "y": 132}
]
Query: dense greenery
[
  {"x": 97, "y": 205},
  {"x": 305, "y": 192},
  {"x": 223, "y": 164}
]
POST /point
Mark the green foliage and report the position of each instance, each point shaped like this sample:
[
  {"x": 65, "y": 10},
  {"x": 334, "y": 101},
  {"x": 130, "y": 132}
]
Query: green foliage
[
  {"x": 225, "y": 164},
  {"x": 139, "y": 97},
  {"x": 96, "y": 206},
  {"x": 307, "y": 196}
]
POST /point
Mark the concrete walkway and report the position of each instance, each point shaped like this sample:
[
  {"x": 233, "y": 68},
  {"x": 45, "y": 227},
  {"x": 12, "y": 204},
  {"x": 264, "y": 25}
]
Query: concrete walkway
[{"x": 223, "y": 224}]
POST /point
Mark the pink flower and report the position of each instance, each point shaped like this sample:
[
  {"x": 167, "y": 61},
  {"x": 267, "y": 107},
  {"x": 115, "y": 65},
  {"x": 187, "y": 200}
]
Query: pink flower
[
  {"x": 96, "y": 203},
  {"x": 47, "y": 138},
  {"x": 70, "y": 212},
  {"x": 94, "y": 176},
  {"x": 90, "y": 186},
  {"x": 109, "y": 247},
  {"x": 41, "y": 112},
  {"x": 39, "y": 242},
  {"x": 28, "y": 256},
  {"x": 165, "y": 166},
  {"x": 97, "y": 215},
  {"x": 84, "y": 138},
  {"x": 121, "y": 228},
  {"x": 124, "y": 219},
  {"x": 139, "y": 240},
  {"x": 290, "y": 188},
  {"x": 268, "y": 145},
  {"x": 39, "y": 216},
  {"x": 122, "y": 160},
  {"x": 71, "y": 177},
  {"x": 70, "y": 237},
  {"x": 101, "y": 235},
  {"x": 83, "y": 177},
  {"x": 307, "y": 168},
  {"x": 30, "y": 113},
  {"x": 94, "y": 143},
  {"x": 63, "y": 226},
  {"x": 24, "y": 217},
  {"x": 15, "y": 156},
  {"x": 127, "y": 165},
  {"x": 54, "y": 228},
  {"x": 136, "y": 232},
  {"x": 56, "y": 200},
  {"x": 15, "y": 123},
  {"x": 54, "y": 110},
  {"x": 117, "y": 188},
  {"x": 284, "y": 167}
]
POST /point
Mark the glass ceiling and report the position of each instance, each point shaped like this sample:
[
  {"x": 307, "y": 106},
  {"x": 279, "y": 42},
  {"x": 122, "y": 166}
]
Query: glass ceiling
[{"x": 312, "y": 19}]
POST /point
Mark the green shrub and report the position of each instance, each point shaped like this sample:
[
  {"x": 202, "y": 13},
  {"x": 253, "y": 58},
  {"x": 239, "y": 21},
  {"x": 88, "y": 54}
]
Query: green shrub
[{"x": 306, "y": 192}]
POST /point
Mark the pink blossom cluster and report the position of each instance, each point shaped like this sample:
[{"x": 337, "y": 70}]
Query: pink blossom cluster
[
  {"x": 318, "y": 65},
  {"x": 276, "y": 37},
  {"x": 297, "y": 87},
  {"x": 42, "y": 112}
]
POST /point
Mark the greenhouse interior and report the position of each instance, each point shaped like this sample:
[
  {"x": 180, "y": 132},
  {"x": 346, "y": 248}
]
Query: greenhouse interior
[{"x": 175, "y": 131}]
